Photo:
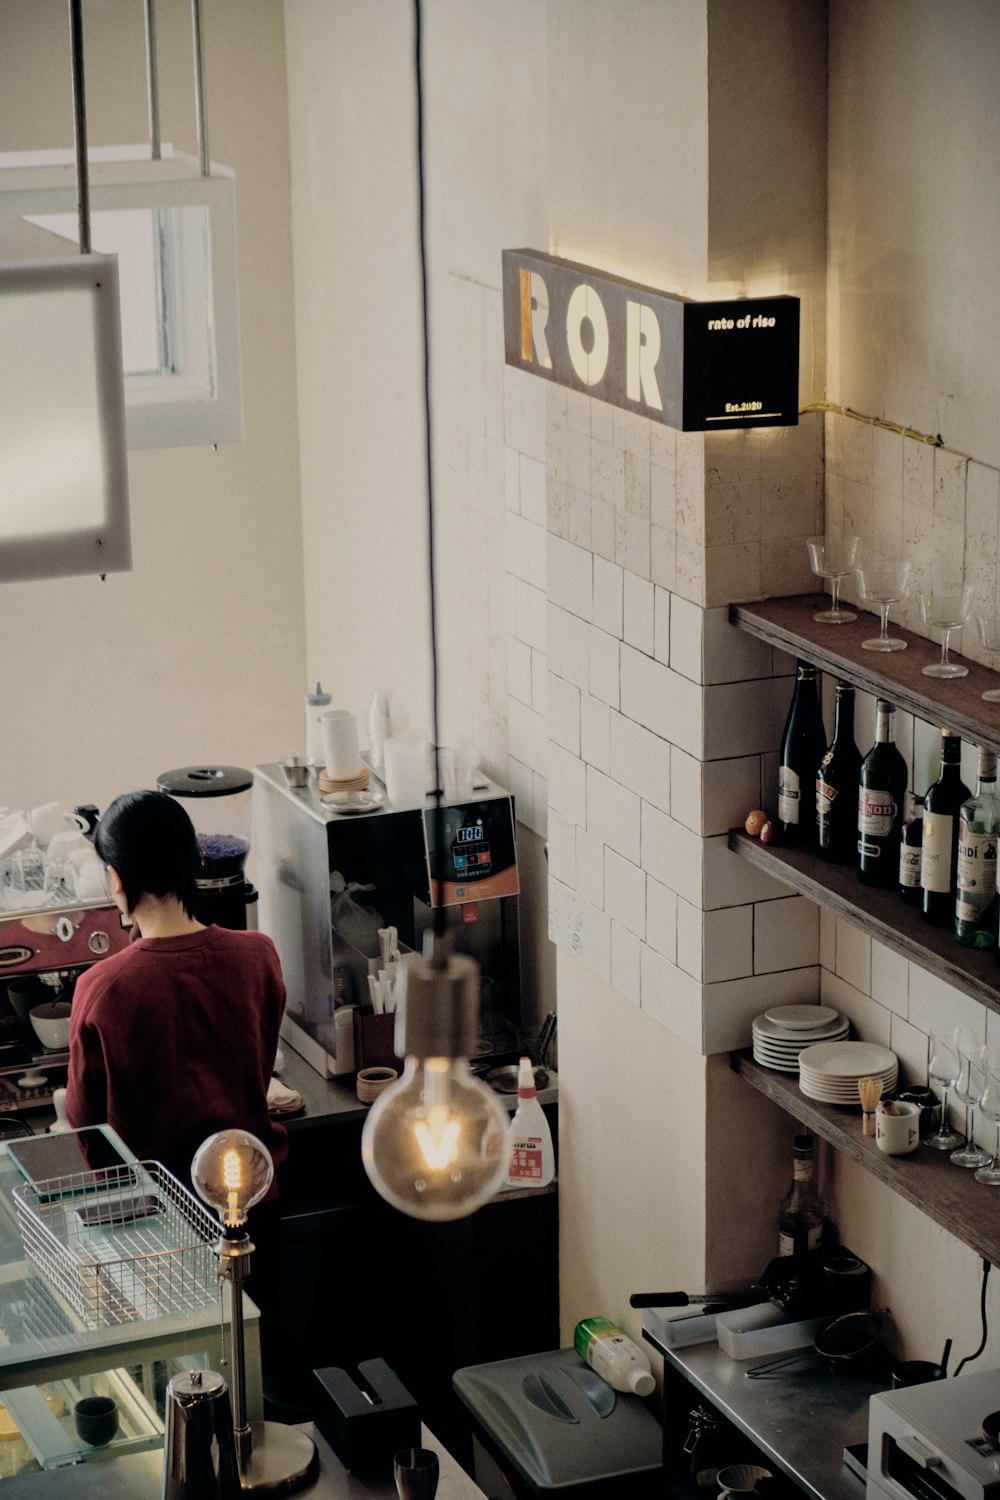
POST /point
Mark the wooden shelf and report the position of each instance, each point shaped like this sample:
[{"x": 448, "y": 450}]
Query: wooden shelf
[
  {"x": 974, "y": 971},
  {"x": 954, "y": 703},
  {"x": 947, "y": 1194}
]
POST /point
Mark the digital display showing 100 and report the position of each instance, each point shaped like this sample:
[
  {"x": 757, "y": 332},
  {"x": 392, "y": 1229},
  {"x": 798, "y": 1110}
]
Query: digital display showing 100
[{"x": 471, "y": 835}]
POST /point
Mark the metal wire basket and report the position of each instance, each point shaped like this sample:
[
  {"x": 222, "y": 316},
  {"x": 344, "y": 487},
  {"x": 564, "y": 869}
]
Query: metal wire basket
[{"x": 122, "y": 1243}]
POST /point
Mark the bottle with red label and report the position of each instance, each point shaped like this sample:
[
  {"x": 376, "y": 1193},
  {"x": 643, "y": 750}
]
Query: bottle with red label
[{"x": 532, "y": 1160}]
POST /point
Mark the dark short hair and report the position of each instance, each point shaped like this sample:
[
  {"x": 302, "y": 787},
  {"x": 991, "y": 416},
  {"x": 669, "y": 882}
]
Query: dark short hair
[{"x": 150, "y": 841}]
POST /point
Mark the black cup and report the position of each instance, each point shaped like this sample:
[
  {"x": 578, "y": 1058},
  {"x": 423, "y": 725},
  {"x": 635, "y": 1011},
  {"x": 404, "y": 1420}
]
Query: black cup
[
  {"x": 915, "y": 1372},
  {"x": 96, "y": 1419}
]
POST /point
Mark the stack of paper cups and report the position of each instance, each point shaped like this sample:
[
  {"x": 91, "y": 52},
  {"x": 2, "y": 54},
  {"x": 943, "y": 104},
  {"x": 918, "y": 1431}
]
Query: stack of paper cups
[
  {"x": 406, "y": 767},
  {"x": 341, "y": 755}
]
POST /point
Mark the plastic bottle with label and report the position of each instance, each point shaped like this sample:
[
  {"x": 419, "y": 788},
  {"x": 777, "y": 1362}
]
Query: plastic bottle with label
[
  {"x": 614, "y": 1356},
  {"x": 532, "y": 1159},
  {"x": 317, "y": 704}
]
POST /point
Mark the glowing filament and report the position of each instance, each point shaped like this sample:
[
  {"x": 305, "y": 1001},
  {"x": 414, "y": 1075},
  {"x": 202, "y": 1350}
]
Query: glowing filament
[
  {"x": 437, "y": 1137},
  {"x": 232, "y": 1177}
]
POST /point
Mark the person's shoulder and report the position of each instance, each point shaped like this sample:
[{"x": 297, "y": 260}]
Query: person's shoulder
[
  {"x": 248, "y": 942},
  {"x": 99, "y": 978}
]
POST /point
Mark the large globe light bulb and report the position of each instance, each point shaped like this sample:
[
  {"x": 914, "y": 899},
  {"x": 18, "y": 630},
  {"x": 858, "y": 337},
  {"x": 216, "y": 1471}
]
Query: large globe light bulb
[
  {"x": 231, "y": 1171},
  {"x": 435, "y": 1142}
]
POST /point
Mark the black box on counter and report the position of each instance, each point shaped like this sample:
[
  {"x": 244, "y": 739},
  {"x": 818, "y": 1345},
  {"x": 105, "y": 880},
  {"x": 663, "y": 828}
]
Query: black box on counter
[{"x": 366, "y": 1424}]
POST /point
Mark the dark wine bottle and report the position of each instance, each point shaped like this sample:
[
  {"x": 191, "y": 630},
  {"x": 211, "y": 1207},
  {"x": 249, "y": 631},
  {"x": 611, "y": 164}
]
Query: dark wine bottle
[
  {"x": 882, "y": 788},
  {"x": 801, "y": 1210},
  {"x": 909, "y": 850},
  {"x": 803, "y": 743},
  {"x": 837, "y": 785},
  {"x": 939, "y": 854}
]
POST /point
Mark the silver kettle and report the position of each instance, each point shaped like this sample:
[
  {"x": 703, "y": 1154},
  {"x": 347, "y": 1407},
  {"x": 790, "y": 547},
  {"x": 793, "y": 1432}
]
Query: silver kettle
[{"x": 199, "y": 1449}]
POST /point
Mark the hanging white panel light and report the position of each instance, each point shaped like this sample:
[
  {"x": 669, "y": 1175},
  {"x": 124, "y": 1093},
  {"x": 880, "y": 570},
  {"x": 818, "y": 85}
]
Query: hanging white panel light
[{"x": 63, "y": 464}]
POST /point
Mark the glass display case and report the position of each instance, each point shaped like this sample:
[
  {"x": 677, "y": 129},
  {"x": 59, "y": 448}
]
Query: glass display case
[{"x": 50, "y": 1359}]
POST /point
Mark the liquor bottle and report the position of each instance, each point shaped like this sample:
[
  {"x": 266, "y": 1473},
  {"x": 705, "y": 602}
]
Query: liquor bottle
[
  {"x": 803, "y": 743},
  {"x": 881, "y": 794},
  {"x": 801, "y": 1210},
  {"x": 976, "y": 873},
  {"x": 837, "y": 785},
  {"x": 909, "y": 850},
  {"x": 939, "y": 853}
]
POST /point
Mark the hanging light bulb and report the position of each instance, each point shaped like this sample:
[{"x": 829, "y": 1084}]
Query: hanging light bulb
[
  {"x": 232, "y": 1171},
  {"x": 435, "y": 1142}
]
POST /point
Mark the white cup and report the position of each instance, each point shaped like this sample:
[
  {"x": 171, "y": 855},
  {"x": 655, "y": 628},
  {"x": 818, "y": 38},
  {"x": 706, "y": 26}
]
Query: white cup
[
  {"x": 52, "y": 818},
  {"x": 67, "y": 844},
  {"x": 406, "y": 778},
  {"x": 341, "y": 755},
  {"x": 898, "y": 1133},
  {"x": 459, "y": 765}
]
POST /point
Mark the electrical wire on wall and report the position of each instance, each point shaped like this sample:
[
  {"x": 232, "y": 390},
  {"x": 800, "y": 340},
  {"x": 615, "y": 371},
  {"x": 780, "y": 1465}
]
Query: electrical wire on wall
[
  {"x": 937, "y": 441},
  {"x": 982, "y": 1313}
]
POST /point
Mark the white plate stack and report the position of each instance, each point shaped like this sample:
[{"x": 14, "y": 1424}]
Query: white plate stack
[
  {"x": 830, "y": 1071},
  {"x": 780, "y": 1034}
]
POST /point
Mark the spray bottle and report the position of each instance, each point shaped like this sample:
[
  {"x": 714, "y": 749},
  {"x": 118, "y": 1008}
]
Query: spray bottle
[
  {"x": 532, "y": 1159},
  {"x": 614, "y": 1356}
]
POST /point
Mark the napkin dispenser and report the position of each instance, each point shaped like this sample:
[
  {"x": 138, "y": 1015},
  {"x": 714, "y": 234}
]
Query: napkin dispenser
[{"x": 366, "y": 1423}]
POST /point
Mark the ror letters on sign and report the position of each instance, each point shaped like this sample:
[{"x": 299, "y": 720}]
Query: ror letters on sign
[{"x": 696, "y": 366}]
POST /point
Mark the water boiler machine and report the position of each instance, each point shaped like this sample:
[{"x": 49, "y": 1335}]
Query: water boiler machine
[{"x": 330, "y": 880}]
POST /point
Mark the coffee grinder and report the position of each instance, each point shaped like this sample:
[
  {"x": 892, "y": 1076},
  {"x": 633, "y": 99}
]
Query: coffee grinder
[{"x": 218, "y": 801}]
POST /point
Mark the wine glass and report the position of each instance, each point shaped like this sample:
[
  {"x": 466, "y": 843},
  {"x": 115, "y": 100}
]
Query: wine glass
[
  {"x": 988, "y": 630},
  {"x": 989, "y": 1108},
  {"x": 883, "y": 584},
  {"x": 943, "y": 1068},
  {"x": 946, "y": 611},
  {"x": 833, "y": 558},
  {"x": 968, "y": 1089}
]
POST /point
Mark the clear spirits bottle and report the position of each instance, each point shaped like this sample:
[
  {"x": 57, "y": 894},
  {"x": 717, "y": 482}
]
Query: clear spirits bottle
[{"x": 976, "y": 874}]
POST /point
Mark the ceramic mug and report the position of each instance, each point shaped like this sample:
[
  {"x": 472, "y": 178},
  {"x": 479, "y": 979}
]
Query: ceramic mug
[
  {"x": 96, "y": 1419},
  {"x": 897, "y": 1133},
  {"x": 52, "y": 818}
]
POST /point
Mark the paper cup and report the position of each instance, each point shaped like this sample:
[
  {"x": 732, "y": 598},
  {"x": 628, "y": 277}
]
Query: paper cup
[{"x": 341, "y": 755}]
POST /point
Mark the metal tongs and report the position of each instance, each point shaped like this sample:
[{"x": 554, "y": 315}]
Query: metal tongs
[{"x": 545, "y": 1039}]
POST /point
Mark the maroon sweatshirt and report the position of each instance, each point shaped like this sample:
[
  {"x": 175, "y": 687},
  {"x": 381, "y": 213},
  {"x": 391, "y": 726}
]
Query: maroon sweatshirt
[{"x": 175, "y": 1039}]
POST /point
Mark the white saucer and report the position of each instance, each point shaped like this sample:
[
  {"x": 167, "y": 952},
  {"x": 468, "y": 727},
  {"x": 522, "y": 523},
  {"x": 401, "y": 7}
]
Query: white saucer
[
  {"x": 843, "y": 1061},
  {"x": 801, "y": 1017}
]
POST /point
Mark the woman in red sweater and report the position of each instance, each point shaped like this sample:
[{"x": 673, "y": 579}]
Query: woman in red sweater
[{"x": 175, "y": 1038}]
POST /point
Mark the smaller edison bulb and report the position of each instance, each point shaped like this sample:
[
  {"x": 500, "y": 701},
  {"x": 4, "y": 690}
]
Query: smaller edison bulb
[{"x": 231, "y": 1171}]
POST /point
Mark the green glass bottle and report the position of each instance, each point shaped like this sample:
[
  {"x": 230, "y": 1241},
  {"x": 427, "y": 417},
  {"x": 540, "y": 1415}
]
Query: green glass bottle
[{"x": 976, "y": 875}]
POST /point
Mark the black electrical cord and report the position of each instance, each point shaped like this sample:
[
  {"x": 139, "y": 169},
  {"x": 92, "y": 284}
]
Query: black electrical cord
[
  {"x": 440, "y": 918},
  {"x": 982, "y": 1313}
]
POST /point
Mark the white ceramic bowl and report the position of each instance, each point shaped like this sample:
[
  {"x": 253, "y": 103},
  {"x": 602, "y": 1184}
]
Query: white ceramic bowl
[{"x": 51, "y": 1023}]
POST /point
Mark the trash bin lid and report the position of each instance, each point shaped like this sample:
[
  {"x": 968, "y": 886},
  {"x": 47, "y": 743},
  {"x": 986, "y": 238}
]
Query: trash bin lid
[{"x": 558, "y": 1423}]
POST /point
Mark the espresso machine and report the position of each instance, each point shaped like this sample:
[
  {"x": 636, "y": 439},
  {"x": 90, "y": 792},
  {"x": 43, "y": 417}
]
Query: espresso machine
[{"x": 329, "y": 880}]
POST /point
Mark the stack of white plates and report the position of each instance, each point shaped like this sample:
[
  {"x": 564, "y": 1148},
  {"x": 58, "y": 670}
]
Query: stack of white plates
[
  {"x": 780, "y": 1034},
  {"x": 830, "y": 1070}
]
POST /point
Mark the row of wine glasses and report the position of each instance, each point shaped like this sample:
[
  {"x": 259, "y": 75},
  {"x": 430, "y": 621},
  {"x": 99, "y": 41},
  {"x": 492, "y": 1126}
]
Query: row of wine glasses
[
  {"x": 962, "y": 1066},
  {"x": 882, "y": 583}
]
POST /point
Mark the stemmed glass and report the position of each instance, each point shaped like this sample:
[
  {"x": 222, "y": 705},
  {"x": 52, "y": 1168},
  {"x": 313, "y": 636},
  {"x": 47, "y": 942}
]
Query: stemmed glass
[
  {"x": 946, "y": 611},
  {"x": 943, "y": 1068},
  {"x": 968, "y": 1090},
  {"x": 833, "y": 558},
  {"x": 988, "y": 630},
  {"x": 883, "y": 584},
  {"x": 989, "y": 1108}
]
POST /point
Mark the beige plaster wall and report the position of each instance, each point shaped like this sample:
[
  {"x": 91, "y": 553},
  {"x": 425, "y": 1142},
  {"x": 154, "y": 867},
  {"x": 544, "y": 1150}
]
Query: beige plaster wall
[
  {"x": 198, "y": 653},
  {"x": 915, "y": 216}
]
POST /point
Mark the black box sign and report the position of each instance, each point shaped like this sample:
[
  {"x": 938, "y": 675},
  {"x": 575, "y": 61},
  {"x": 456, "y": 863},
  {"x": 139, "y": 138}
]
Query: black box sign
[{"x": 695, "y": 366}]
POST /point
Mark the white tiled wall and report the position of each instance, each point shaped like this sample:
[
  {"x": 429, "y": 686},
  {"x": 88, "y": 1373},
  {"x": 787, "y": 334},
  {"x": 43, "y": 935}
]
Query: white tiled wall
[{"x": 642, "y": 726}]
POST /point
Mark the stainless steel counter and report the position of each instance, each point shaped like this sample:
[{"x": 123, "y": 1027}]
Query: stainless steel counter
[
  {"x": 801, "y": 1417},
  {"x": 331, "y": 1101},
  {"x": 139, "y": 1477}
]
